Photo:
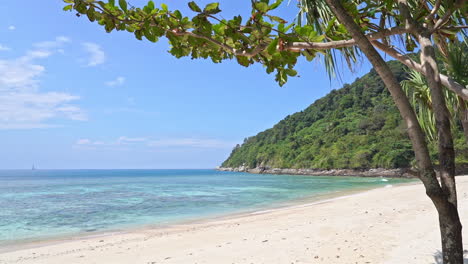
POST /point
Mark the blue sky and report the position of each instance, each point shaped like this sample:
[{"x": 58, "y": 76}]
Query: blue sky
[{"x": 73, "y": 96}]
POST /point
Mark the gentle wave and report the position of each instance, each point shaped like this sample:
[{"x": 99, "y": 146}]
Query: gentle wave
[{"x": 52, "y": 203}]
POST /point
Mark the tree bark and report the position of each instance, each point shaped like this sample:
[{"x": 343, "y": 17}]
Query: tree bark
[
  {"x": 464, "y": 118},
  {"x": 450, "y": 226},
  {"x": 449, "y": 220},
  {"x": 446, "y": 81},
  {"x": 415, "y": 132},
  {"x": 442, "y": 117},
  {"x": 451, "y": 234}
]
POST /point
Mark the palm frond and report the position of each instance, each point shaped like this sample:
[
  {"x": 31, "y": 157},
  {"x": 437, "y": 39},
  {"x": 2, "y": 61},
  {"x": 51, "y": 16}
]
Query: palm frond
[{"x": 317, "y": 14}]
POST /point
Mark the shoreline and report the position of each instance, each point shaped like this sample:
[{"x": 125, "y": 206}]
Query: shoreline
[
  {"x": 376, "y": 225},
  {"x": 461, "y": 169},
  {"x": 375, "y": 172},
  {"x": 205, "y": 219}
]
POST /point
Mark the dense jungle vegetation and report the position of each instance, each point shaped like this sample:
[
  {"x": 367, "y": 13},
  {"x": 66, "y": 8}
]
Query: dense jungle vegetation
[{"x": 356, "y": 127}]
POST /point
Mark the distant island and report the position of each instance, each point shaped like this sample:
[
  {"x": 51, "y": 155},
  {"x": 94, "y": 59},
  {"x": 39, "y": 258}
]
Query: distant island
[{"x": 355, "y": 130}]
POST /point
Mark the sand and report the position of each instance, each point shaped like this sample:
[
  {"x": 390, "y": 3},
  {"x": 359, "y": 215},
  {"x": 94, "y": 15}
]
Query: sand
[{"x": 385, "y": 225}]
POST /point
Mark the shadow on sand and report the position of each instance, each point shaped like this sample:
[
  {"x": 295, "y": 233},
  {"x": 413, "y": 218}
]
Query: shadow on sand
[{"x": 438, "y": 257}]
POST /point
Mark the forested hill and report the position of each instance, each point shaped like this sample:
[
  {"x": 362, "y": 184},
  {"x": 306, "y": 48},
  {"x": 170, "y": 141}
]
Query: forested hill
[{"x": 357, "y": 127}]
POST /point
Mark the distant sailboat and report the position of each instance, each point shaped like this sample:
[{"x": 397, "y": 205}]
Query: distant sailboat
[{"x": 33, "y": 168}]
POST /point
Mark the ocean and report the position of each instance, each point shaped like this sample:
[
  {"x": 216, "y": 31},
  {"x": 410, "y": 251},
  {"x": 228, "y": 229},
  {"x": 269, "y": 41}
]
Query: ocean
[{"x": 48, "y": 204}]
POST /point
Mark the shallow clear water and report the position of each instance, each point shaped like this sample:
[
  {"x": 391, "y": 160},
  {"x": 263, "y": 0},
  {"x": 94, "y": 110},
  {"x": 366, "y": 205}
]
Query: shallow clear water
[{"x": 53, "y": 203}]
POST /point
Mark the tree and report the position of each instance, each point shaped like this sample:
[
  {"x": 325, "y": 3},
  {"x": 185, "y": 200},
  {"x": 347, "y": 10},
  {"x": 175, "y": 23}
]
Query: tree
[
  {"x": 455, "y": 65},
  {"x": 351, "y": 27},
  {"x": 418, "y": 91}
]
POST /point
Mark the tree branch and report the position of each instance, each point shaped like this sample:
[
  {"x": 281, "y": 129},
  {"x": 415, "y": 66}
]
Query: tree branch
[
  {"x": 406, "y": 14},
  {"x": 297, "y": 46},
  {"x": 447, "y": 15},
  {"x": 446, "y": 81},
  {"x": 434, "y": 10}
]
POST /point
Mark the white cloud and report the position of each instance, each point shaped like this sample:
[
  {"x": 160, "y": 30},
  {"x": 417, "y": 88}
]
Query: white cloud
[
  {"x": 45, "y": 49},
  {"x": 88, "y": 142},
  {"x": 19, "y": 75},
  {"x": 4, "y": 48},
  {"x": 125, "y": 140},
  {"x": 96, "y": 54},
  {"x": 58, "y": 42},
  {"x": 161, "y": 143},
  {"x": 37, "y": 54},
  {"x": 22, "y": 104},
  {"x": 11, "y": 27},
  {"x": 83, "y": 141},
  {"x": 117, "y": 82},
  {"x": 25, "y": 110}
]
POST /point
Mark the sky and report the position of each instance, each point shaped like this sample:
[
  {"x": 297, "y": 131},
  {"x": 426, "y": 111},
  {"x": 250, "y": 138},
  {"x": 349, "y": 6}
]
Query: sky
[{"x": 75, "y": 97}]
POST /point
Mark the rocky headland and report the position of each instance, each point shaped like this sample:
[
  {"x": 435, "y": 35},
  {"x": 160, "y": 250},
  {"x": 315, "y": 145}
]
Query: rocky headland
[{"x": 376, "y": 172}]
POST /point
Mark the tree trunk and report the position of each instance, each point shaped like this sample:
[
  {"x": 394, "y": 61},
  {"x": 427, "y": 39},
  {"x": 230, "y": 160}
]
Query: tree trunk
[
  {"x": 442, "y": 116},
  {"x": 451, "y": 234},
  {"x": 464, "y": 118},
  {"x": 450, "y": 229},
  {"x": 450, "y": 226},
  {"x": 449, "y": 221},
  {"x": 399, "y": 97}
]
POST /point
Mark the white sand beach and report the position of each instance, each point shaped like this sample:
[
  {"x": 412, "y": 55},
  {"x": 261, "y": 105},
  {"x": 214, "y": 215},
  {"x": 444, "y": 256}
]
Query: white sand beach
[{"x": 386, "y": 225}]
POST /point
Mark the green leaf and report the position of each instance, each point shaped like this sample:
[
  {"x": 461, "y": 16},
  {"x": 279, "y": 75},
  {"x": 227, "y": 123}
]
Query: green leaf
[
  {"x": 275, "y": 4},
  {"x": 262, "y": 7},
  {"x": 278, "y": 19},
  {"x": 112, "y": 2},
  {"x": 109, "y": 25},
  {"x": 149, "y": 35},
  {"x": 178, "y": 14},
  {"x": 164, "y": 7},
  {"x": 67, "y": 7},
  {"x": 150, "y": 5},
  {"x": 314, "y": 37},
  {"x": 123, "y": 5},
  {"x": 291, "y": 72},
  {"x": 91, "y": 14},
  {"x": 138, "y": 34},
  {"x": 212, "y": 8},
  {"x": 194, "y": 7},
  {"x": 281, "y": 77},
  {"x": 272, "y": 47},
  {"x": 244, "y": 61},
  {"x": 283, "y": 29},
  {"x": 219, "y": 28}
]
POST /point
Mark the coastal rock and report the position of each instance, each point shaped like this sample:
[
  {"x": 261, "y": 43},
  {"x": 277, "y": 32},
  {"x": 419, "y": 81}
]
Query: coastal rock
[{"x": 375, "y": 172}]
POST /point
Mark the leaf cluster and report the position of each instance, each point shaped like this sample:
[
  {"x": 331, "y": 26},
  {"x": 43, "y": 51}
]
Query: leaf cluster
[{"x": 262, "y": 38}]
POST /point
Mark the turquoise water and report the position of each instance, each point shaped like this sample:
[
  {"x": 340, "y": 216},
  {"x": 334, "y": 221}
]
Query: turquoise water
[{"x": 44, "y": 204}]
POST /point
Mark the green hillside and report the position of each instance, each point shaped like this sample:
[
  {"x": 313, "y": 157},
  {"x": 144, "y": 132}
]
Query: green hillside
[{"x": 356, "y": 127}]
